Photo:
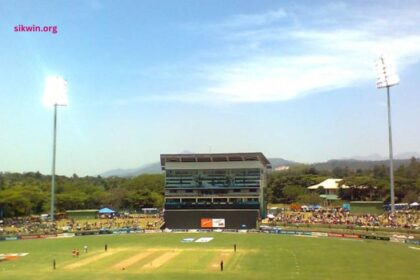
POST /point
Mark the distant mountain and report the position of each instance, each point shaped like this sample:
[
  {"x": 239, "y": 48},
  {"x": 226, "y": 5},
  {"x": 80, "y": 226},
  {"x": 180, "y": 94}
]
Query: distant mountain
[
  {"x": 353, "y": 164},
  {"x": 371, "y": 157},
  {"x": 377, "y": 157},
  {"x": 276, "y": 162},
  {"x": 148, "y": 168},
  {"x": 407, "y": 155},
  {"x": 155, "y": 168}
]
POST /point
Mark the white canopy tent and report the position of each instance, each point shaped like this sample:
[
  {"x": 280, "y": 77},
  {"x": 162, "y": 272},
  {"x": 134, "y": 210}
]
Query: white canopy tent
[{"x": 331, "y": 186}]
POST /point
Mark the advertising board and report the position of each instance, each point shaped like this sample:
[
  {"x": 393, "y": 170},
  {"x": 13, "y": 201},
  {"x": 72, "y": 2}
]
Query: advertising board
[{"x": 212, "y": 223}]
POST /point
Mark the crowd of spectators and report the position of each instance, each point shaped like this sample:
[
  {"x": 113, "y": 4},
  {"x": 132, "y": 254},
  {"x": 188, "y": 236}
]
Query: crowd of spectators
[
  {"x": 335, "y": 216},
  {"x": 25, "y": 225},
  {"x": 35, "y": 225},
  {"x": 399, "y": 219},
  {"x": 112, "y": 223}
]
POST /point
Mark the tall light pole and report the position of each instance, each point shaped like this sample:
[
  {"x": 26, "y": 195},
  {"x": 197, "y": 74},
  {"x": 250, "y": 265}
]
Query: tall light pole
[
  {"x": 55, "y": 95},
  {"x": 386, "y": 78}
]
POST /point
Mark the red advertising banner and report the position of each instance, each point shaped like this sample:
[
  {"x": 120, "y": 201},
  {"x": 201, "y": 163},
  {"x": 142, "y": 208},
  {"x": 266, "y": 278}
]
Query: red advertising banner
[
  {"x": 330, "y": 234},
  {"x": 212, "y": 223},
  {"x": 206, "y": 223},
  {"x": 351, "y": 236},
  {"x": 24, "y": 237}
]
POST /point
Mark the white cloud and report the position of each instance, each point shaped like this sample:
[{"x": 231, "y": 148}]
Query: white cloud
[
  {"x": 244, "y": 20},
  {"x": 331, "y": 61},
  {"x": 263, "y": 60},
  {"x": 324, "y": 59},
  {"x": 283, "y": 78}
]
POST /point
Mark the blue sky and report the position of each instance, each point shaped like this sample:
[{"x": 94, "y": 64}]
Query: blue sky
[{"x": 291, "y": 79}]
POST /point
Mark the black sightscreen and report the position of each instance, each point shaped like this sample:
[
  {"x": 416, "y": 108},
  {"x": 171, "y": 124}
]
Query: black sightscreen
[{"x": 193, "y": 219}]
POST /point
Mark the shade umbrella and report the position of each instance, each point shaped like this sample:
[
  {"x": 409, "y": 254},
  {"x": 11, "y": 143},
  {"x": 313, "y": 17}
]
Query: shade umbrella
[{"x": 106, "y": 211}]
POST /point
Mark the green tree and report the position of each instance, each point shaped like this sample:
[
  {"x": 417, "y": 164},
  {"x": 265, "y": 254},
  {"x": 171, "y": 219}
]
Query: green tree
[
  {"x": 14, "y": 203},
  {"x": 410, "y": 197},
  {"x": 311, "y": 198},
  {"x": 71, "y": 200},
  {"x": 292, "y": 192}
]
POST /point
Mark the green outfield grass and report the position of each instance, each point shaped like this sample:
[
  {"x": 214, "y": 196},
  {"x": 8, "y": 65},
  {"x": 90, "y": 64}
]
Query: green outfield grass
[{"x": 163, "y": 256}]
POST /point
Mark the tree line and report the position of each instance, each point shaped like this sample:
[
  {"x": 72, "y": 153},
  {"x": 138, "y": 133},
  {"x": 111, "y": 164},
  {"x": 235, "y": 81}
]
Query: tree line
[
  {"x": 364, "y": 185},
  {"x": 23, "y": 194},
  {"x": 29, "y": 193}
]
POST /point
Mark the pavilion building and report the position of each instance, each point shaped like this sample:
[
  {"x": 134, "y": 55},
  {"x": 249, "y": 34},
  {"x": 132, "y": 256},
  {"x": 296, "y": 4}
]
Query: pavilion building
[{"x": 214, "y": 191}]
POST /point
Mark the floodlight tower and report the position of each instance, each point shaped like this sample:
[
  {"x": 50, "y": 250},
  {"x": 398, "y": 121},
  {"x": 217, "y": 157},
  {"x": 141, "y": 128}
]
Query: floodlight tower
[
  {"x": 386, "y": 78},
  {"x": 55, "y": 95}
]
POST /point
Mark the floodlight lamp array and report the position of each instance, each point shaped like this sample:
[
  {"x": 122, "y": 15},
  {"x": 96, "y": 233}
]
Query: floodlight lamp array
[
  {"x": 386, "y": 74},
  {"x": 55, "y": 91}
]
